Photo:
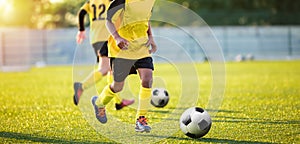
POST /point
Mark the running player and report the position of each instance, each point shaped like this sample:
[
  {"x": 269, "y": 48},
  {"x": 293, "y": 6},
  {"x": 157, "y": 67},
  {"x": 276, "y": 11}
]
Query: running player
[
  {"x": 129, "y": 45},
  {"x": 96, "y": 9}
]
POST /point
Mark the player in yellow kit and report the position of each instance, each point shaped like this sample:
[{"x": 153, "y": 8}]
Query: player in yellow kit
[
  {"x": 129, "y": 45},
  {"x": 96, "y": 9}
]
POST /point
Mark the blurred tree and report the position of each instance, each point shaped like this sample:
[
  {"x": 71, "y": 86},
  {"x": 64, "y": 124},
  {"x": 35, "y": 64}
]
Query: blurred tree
[
  {"x": 246, "y": 12},
  {"x": 39, "y": 13},
  {"x": 46, "y": 14},
  {"x": 15, "y": 12},
  {"x": 54, "y": 15}
]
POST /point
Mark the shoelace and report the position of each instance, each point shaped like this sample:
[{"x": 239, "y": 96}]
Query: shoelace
[
  {"x": 101, "y": 112},
  {"x": 142, "y": 120}
]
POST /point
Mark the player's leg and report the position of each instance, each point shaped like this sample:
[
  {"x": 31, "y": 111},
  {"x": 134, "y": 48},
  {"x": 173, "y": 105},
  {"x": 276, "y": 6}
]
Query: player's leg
[
  {"x": 104, "y": 98},
  {"x": 105, "y": 69},
  {"x": 145, "y": 91},
  {"x": 145, "y": 68},
  {"x": 97, "y": 75},
  {"x": 119, "y": 102},
  {"x": 144, "y": 100},
  {"x": 103, "y": 65},
  {"x": 120, "y": 69},
  {"x": 109, "y": 92},
  {"x": 100, "y": 49}
]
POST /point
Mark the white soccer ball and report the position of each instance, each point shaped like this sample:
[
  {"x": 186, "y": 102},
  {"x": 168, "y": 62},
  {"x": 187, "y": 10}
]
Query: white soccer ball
[
  {"x": 160, "y": 97},
  {"x": 195, "y": 122}
]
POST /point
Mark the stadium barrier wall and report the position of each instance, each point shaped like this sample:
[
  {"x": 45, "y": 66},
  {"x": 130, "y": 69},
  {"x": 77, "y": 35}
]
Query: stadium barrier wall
[
  {"x": 15, "y": 49},
  {"x": 57, "y": 47}
]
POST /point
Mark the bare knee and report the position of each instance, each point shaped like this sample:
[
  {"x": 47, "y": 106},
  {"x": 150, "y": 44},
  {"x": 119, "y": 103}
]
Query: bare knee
[
  {"x": 117, "y": 86},
  {"x": 104, "y": 66},
  {"x": 146, "y": 77},
  {"x": 147, "y": 82},
  {"x": 104, "y": 70}
]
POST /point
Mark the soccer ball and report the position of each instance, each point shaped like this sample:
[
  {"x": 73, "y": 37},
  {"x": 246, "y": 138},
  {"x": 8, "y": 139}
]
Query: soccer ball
[
  {"x": 195, "y": 122},
  {"x": 160, "y": 97}
]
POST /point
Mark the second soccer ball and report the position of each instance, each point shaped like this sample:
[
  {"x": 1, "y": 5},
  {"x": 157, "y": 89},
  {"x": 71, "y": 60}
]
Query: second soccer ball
[{"x": 160, "y": 97}]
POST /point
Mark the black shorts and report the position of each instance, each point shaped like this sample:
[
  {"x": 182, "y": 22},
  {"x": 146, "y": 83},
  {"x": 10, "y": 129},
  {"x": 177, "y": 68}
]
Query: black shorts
[
  {"x": 123, "y": 67},
  {"x": 100, "y": 49}
]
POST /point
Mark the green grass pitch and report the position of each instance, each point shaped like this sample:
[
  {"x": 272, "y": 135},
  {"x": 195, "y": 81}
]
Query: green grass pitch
[{"x": 261, "y": 104}]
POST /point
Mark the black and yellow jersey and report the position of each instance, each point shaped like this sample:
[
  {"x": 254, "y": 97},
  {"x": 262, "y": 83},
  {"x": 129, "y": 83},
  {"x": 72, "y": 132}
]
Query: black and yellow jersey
[
  {"x": 97, "y": 10},
  {"x": 131, "y": 19}
]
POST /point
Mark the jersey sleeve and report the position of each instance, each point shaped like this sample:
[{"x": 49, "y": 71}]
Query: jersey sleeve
[
  {"x": 81, "y": 15},
  {"x": 86, "y": 7},
  {"x": 114, "y": 8}
]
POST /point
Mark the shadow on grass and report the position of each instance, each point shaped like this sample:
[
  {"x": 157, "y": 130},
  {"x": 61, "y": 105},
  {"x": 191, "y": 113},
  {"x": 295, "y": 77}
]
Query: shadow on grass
[
  {"x": 253, "y": 120},
  {"x": 165, "y": 111},
  {"x": 229, "y": 119},
  {"x": 40, "y": 139},
  {"x": 207, "y": 140},
  {"x": 222, "y": 111},
  {"x": 169, "y": 110},
  {"x": 214, "y": 140}
]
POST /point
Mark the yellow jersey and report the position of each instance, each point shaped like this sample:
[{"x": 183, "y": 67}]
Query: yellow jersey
[
  {"x": 131, "y": 19},
  {"x": 97, "y": 10}
]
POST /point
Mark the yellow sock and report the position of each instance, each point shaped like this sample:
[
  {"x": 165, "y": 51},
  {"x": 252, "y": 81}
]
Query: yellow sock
[
  {"x": 117, "y": 97},
  {"x": 144, "y": 101},
  {"x": 110, "y": 78},
  {"x": 106, "y": 95},
  {"x": 92, "y": 79}
]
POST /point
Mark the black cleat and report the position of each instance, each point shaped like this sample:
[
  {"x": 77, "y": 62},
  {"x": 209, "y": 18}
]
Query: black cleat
[
  {"x": 124, "y": 103},
  {"x": 77, "y": 92}
]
